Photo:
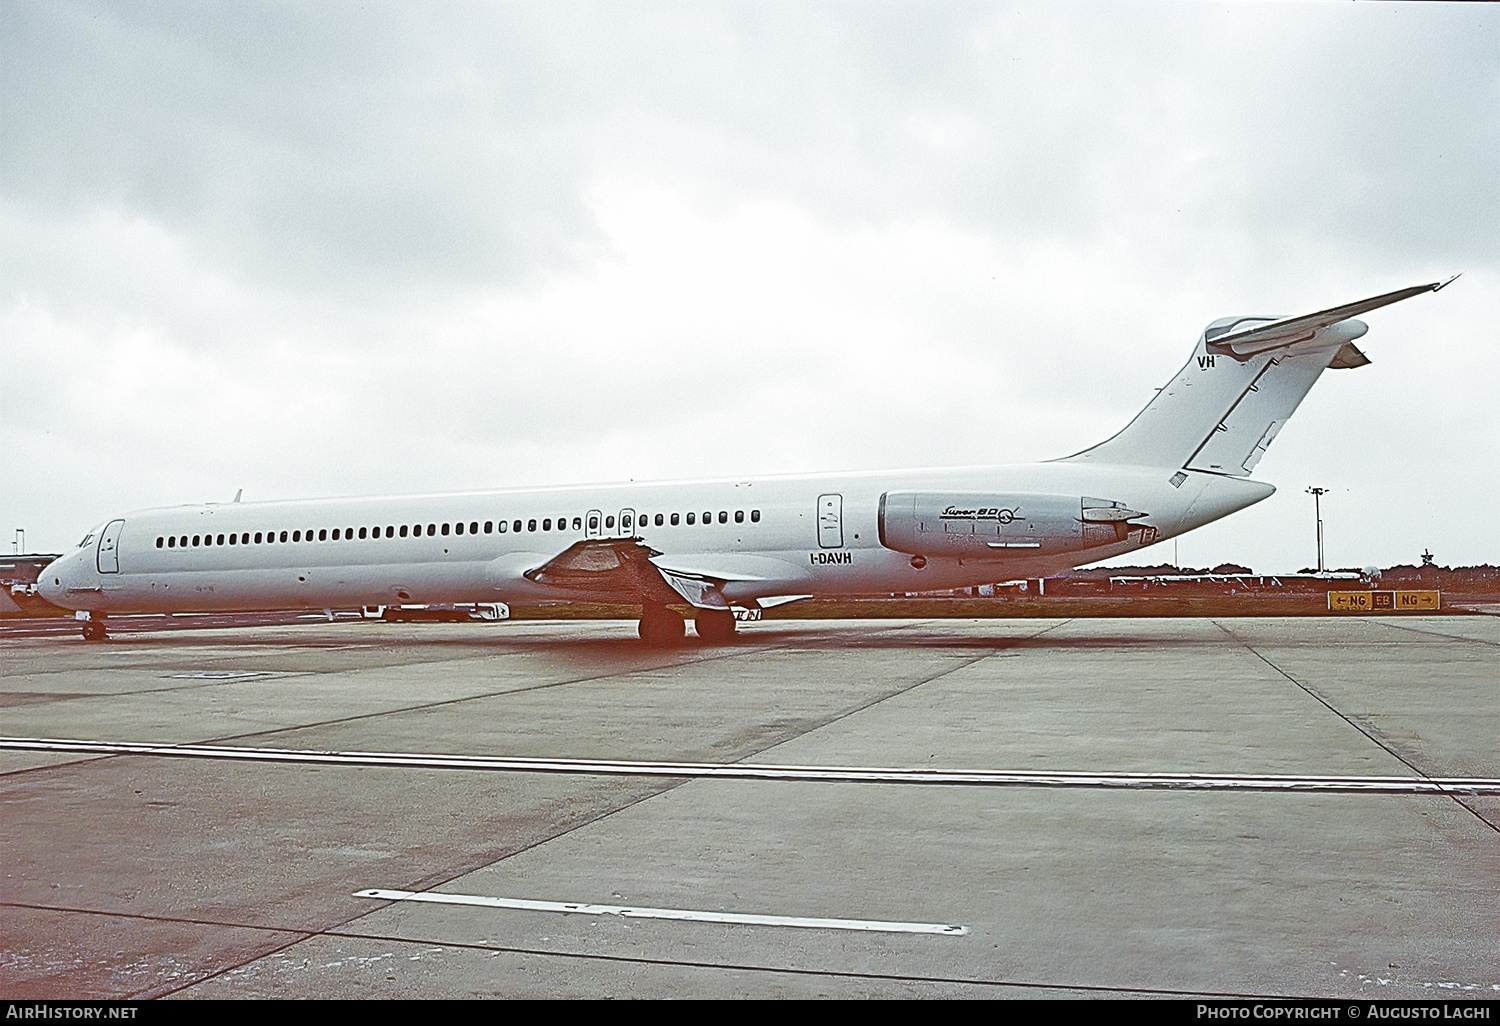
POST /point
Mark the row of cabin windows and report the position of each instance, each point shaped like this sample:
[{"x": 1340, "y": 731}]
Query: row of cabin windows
[{"x": 417, "y": 530}]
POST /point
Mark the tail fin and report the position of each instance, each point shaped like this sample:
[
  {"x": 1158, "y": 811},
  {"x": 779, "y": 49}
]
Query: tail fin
[{"x": 1245, "y": 378}]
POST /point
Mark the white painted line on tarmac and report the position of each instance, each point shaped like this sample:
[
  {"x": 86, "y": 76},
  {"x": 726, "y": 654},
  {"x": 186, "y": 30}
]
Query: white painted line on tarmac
[
  {"x": 682, "y": 914},
  {"x": 219, "y": 675},
  {"x": 1272, "y": 782}
]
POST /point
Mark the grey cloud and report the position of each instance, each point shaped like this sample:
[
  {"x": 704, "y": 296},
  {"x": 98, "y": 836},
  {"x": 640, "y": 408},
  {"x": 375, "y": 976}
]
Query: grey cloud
[{"x": 366, "y": 147}]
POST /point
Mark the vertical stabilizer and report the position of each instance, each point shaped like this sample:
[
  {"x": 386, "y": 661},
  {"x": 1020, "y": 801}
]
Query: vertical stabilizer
[{"x": 1245, "y": 378}]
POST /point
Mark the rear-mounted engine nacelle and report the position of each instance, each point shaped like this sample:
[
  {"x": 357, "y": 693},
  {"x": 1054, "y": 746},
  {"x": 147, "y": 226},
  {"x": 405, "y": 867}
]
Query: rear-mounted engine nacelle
[{"x": 993, "y": 525}]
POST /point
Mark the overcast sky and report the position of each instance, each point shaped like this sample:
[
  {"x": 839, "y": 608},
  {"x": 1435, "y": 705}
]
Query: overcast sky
[{"x": 313, "y": 249}]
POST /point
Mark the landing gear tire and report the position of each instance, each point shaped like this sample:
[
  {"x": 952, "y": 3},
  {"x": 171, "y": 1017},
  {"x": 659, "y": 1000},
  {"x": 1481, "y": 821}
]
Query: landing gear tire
[
  {"x": 93, "y": 630},
  {"x": 661, "y": 627},
  {"x": 717, "y": 626}
]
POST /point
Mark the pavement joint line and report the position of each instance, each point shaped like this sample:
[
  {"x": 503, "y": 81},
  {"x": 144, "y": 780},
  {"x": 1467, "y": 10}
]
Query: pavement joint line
[
  {"x": 1379, "y": 743},
  {"x": 304, "y": 934},
  {"x": 741, "y": 770},
  {"x": 299, "y": 934},
  {"x": 565, "y": 829},
  {"x": 709, "y": 657},
  {"x": 706, "y": 657},
  {"x": 640, "y": 799},
  {"x": 847, "y": 974},
  {"x": 674, "y": 914},
  {"x": 1384, "y": 622}
]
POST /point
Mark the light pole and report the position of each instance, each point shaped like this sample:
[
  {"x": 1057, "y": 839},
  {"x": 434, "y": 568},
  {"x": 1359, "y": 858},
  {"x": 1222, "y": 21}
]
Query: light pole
[{"x": 1317, "y": 494}]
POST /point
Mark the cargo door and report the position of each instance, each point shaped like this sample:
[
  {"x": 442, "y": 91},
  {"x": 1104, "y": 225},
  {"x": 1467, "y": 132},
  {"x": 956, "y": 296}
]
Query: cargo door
[{"x": 831, "y": 521}]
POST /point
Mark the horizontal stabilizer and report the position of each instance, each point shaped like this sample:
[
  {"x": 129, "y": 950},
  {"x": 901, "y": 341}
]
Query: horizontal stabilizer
[{"x": 1290, "y": 330}]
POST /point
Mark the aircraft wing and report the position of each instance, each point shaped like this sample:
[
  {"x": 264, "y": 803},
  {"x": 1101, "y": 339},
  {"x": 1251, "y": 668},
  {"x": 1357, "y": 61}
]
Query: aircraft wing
[
  {"x": 1291, "y": 330},
  {"x": 620, "y": 570}
]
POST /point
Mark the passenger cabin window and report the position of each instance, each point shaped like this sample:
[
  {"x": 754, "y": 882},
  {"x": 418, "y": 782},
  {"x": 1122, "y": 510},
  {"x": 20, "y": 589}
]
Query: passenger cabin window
[
  {"x": 593, "y": 523},
  {"x": 502, "y": 526},
  {"x": 609, "y": 522},
  {"x": 739, "y": 516},
  {"x": 755, "y": 516},
  {"x": 531, "y": 525},
  {"x": 723, "y": 517},
  {"x": 692, "y": 518}
]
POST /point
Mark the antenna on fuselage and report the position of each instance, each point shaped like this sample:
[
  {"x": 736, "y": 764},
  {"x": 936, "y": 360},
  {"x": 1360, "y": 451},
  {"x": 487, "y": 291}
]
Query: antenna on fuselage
[{"x": 238, "y": 494}]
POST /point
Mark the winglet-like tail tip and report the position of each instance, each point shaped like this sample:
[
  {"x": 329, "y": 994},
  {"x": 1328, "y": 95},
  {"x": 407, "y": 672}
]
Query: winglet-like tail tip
[{"x": 1444, "y": 284}]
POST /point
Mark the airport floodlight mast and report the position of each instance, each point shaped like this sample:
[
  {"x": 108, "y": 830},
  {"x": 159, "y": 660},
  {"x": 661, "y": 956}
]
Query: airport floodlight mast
[{"x": 1317, "y": 494}]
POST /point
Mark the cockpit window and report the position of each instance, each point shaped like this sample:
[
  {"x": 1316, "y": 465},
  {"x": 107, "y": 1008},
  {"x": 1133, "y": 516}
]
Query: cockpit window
[{"x": 86, "y": 539}]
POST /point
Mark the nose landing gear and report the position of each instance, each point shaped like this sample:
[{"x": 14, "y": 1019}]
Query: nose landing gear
[{"x": 93, "y": 628}]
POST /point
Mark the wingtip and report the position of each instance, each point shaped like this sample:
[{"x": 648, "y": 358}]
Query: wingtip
[{"x": 1439, "y": 286}]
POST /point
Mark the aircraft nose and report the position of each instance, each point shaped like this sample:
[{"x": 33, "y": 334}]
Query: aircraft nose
[{"x": 53, "y": 582}]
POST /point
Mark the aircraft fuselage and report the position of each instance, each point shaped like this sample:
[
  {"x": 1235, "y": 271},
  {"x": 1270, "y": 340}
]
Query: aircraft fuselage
[{"x": 761, "y": 537}]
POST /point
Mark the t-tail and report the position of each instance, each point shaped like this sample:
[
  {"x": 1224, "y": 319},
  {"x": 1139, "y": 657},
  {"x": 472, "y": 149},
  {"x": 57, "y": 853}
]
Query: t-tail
[{"x": 1245, "y": 378}]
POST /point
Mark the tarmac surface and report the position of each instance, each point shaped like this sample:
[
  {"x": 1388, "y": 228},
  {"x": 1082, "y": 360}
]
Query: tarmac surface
[{"x": 130, "y": 876}]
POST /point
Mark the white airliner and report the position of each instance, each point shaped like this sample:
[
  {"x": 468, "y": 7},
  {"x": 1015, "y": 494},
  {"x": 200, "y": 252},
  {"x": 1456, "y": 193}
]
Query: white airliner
[{"x": 699, "y": 549}]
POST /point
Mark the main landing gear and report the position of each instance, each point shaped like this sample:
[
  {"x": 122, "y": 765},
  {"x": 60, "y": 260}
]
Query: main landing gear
[
  {"x": 93, "y": 628},
  {"x": 716, "y": 626},
  {"x": 661, "y": 626}
]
